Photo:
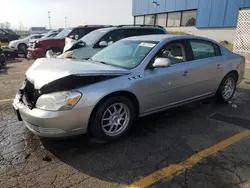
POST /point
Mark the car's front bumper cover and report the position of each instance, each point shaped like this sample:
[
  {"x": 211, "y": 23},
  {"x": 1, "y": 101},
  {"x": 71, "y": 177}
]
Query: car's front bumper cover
[
  {"x": 52, "y": 123},
  {"x": 35, "y": 53}
]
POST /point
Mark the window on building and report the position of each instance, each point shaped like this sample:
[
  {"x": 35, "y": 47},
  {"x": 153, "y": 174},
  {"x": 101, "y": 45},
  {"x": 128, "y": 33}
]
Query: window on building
[
  {"x": 202, "y": 49},
  {"x": 150, "y": 19},
  {"x": 174, "y": 19},
  {"x": 139, "y": 20},
  {"x": 161, "y": 19},
  {"x": 188, "y": 18}
]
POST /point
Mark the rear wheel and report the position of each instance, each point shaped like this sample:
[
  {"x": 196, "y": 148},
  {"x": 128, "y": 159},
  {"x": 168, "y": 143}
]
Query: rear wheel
[
  {"x": 113, "y": 118},
  {"x": 22, "y": 48},
  {"x": 227, "y": 88}
]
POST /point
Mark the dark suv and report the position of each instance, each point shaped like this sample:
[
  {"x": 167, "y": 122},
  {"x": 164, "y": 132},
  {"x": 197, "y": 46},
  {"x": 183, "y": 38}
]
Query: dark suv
[
  {"x": 7, "y": 35},
  {"x": 57, "y": 43}
]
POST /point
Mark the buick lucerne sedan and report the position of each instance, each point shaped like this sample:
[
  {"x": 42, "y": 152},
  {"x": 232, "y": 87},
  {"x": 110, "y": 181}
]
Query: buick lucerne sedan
[{"x": 132, "y": 78}]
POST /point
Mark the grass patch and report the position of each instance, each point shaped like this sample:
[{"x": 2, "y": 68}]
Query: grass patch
[
  {"x": 177, "y": 33},
  {"x": 227, "y": 44}
]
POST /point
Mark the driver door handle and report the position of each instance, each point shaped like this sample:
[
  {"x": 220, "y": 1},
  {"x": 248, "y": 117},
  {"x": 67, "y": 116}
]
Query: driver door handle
[{"x": 186, "y": 73}]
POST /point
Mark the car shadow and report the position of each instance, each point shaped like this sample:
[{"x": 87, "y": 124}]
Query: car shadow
[
  {"x": 140, "y": 152},
  {"x": 153, "y": 143}
]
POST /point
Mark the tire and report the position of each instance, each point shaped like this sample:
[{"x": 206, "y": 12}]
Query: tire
[
  {"x": 22, "y": 48},
  {"x": 220, "y": 95},
  {"x": 2, "y": 61},
  {"x": 98, "y": 118}
]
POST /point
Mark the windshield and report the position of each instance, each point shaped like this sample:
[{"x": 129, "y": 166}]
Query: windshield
[
  {"x": 48, "y": 35},
  {"x": 9, "y": 31},
  {"x": 93, "y": 36},
  {"x": 64, "y": 33},
  {"x": 126, "y": 54}
]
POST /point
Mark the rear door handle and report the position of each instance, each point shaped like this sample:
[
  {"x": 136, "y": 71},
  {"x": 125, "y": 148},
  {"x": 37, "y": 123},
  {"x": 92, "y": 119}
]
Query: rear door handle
[
  {"x": 219, "y": 66},
  {"x": 186, "y": 73}
]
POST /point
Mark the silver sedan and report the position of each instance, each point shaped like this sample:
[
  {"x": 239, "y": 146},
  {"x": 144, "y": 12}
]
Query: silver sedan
[{"x": 132, "y": 78}]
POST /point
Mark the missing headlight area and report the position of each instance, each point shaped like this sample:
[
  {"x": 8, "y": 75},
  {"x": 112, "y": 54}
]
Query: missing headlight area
[{"x": 29, "y": 95}]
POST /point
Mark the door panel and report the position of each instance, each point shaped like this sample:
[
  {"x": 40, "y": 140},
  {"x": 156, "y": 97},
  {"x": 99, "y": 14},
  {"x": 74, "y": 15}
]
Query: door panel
[
  {"x": 204, "y": 74},
  {"x": 206, "y": 66},
  {"x": 168, "y": 86}
]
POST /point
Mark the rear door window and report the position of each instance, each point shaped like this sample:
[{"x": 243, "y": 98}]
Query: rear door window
[
  {"x": 159, "y": 31},
  {"x": 131, "y": 32},
  {"x": 2, "y": 32},
  {"x": 145, "y": 31},
  {"x": 202, "y": 49},
  {"x": 113, "y": 36},
  {"x": 80, "y": 32}
]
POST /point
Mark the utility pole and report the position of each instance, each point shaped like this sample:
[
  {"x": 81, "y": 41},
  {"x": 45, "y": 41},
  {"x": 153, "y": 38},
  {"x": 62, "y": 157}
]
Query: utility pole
[
  {"x": 65, "y": 22},
  {"x": 49, "y": 19}
]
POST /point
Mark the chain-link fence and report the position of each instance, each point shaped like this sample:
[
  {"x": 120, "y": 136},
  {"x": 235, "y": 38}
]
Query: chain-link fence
[{"x": 242, "y": 38}]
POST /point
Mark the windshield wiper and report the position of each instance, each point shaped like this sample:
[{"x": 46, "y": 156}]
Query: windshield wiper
[{"x": 106, "y": 63}]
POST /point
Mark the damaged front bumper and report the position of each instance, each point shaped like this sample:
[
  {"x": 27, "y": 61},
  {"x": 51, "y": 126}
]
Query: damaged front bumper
[
  {"x": 52, "y": 123},
  {"x": 35, "y": 53}
]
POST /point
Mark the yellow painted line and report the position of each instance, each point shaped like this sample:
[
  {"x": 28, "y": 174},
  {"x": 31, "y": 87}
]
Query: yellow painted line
[
  {"x": 4, "y": 43},
  {"x": 6, "y": 100},
  {"x": 175, "y": 169}
]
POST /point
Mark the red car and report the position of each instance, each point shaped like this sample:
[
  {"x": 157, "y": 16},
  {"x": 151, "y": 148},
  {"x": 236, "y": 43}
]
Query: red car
[{"x": 56, "y": 44}]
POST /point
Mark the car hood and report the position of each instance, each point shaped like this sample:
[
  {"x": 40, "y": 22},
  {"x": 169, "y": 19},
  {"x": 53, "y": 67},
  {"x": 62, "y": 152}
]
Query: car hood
[
  {"x": 19, "y": 41},
  {"x": 46, "y": 70},
  {"x": 45, "y": 40}
]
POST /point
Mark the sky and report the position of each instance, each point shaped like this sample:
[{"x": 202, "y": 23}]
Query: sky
[{"x": 34, "y": 13}]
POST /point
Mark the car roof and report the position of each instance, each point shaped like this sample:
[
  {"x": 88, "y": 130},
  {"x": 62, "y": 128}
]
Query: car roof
[
  {"x": 160, "y": 37},
  {"x": 106, "y": 29},
  {"x": 91, "y": 26}
]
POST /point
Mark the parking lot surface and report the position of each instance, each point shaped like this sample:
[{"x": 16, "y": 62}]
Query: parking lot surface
[{"x": 155, "y": 142}]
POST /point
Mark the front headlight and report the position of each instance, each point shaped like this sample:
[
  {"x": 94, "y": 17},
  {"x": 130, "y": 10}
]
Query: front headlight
[{"x": 58, "y": 101}]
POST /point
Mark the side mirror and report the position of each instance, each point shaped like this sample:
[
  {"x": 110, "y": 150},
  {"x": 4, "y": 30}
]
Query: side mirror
[
  {"x": 103, "y": 44},
  {"x": 161, "y": 62}
]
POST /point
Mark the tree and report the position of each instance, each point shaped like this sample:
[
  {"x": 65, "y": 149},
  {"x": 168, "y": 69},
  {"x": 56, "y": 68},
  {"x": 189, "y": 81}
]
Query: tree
[{"x": 7, "y": 25}]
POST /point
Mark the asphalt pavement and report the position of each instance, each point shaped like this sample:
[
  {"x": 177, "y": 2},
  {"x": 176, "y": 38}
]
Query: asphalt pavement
[{"x": 156, "y": 142}]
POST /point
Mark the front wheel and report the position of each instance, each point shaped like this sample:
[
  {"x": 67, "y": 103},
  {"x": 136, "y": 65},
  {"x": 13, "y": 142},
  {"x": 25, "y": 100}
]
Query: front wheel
[
  {"x": 22, "y": 48},
  {"x": 113, "y": 118},
  {"x": 227, "y": 88}
]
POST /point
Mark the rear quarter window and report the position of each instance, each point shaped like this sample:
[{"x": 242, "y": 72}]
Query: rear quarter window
[{"x": 146, "y": 31}]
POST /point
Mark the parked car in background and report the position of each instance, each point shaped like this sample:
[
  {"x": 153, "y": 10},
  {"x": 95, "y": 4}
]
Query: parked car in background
[
  {"x": 132, "y": 78},
  {"x": 37, "y": 30},
  {"x": 22, "y": 44},
  {"x": 57, "y": 43},
  {"x": 50, "y": 34},
  {"x": 7, "y": 35},
  {"x": 95, "y": 41}
]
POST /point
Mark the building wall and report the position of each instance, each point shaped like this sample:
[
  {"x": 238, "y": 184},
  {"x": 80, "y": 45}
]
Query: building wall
[
  {"x": 210, "y": 13},
  {"x": 217, "y": 34}
]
